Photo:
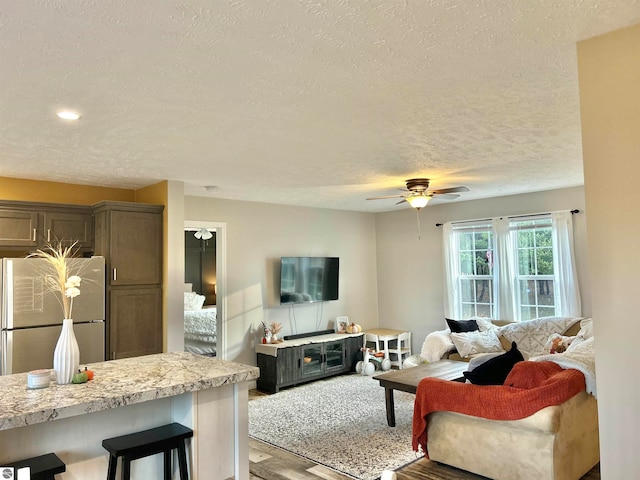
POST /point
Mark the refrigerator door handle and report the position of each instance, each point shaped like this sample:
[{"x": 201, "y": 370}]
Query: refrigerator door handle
[{"x": 115, "y": 274}]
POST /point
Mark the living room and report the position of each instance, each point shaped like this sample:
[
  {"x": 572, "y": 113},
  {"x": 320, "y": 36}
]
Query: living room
[{"x": 392, "y": 277}]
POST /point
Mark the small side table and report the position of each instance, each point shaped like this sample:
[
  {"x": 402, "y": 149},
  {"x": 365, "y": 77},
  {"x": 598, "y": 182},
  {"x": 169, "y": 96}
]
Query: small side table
[{"x": 386, "y": 335}]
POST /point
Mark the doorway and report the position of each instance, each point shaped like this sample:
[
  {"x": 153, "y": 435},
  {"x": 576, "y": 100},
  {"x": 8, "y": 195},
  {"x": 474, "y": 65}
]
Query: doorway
[{"x": 205, "y": 279}]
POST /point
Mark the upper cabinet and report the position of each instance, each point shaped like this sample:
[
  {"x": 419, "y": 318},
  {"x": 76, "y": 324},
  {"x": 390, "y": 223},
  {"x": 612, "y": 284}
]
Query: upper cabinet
[
  {"x": 129, "y": 236},
  {"x": 29, "y": 225}
]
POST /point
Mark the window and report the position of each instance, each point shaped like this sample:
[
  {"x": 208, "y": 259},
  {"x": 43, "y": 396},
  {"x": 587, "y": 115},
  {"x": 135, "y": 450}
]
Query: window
[
  {"x": 529, "y": 274},
  {"x": 535, "y": 268},
  {"x": 476, "y": 272}
]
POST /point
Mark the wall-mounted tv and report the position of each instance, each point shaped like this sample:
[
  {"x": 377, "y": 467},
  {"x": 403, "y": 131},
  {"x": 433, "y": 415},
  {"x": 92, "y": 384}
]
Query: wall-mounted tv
[{"x": 308, "y": 279}]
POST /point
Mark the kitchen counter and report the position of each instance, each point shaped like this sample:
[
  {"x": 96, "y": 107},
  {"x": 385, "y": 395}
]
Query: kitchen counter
[
  {"x": 116, "y": 383},
  {"x": 128, "y": 395}
]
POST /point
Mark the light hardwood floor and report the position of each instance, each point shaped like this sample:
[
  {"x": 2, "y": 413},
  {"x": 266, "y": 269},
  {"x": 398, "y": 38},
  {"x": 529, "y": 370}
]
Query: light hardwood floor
[{"x": 271, "y": 463}]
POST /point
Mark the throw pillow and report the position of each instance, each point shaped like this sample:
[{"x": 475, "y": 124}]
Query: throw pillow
[
  {"x": 193, "y": 301},
  {"x": 470, "y": 343},
  {"x": 460, "y": 326},
  {"x": 495, "y": 370},
  {"x": 532, "y": 335},
  {"x": 586, "y": 328},
  {"x": 485, "y": 324}
]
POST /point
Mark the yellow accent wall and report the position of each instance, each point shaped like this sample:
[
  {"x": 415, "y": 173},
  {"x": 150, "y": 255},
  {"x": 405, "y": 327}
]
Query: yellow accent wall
[
  {"x": 609, "y": 79},
  {"x": 54, "y": 192}
]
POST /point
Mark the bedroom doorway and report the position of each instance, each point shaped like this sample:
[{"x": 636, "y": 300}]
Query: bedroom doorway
[{"x": 205, "y": 275}]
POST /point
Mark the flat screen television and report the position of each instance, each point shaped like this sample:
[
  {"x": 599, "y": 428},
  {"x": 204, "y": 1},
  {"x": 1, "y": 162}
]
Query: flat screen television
[{"x": 308, "y": 279}]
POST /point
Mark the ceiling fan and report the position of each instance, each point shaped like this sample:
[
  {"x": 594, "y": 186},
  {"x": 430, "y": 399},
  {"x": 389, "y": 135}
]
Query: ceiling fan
[{"x": 419, "y": 195}]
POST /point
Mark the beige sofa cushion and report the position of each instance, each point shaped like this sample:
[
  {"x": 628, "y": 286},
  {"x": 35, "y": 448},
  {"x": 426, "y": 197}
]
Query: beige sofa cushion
[{"x": 555, "y": 443}]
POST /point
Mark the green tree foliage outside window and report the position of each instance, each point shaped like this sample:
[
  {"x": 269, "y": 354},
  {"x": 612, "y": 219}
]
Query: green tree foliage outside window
[{"x": 535, "y": 268}]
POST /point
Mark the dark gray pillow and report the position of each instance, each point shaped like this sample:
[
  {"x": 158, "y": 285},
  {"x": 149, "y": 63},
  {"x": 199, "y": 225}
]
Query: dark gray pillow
[
  {"x": 496, "y": 370},
  {"x": 461, "y": 326}
]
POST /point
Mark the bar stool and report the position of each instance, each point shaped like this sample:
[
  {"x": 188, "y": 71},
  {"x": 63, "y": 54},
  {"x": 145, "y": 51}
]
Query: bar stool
[
  {"x": 43, "y": 467},
  {"x": 149, "y": 442}
]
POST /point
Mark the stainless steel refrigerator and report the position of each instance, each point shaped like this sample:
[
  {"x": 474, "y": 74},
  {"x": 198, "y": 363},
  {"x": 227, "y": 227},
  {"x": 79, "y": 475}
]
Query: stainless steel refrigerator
[{"x": 31, "y": 317}]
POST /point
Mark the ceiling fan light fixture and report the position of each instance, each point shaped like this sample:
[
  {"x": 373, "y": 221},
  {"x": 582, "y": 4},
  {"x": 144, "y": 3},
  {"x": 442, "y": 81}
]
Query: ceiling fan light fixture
[
  {"x": 203, "y": 234},
  {"x": 418, "y": 201}
]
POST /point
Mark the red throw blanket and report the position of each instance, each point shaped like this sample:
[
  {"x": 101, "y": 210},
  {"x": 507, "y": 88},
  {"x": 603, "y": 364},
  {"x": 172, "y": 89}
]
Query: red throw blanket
[{"x": 531, "y": 386}]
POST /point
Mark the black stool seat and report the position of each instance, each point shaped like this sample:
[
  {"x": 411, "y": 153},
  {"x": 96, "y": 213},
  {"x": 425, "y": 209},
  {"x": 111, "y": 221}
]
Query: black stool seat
[
  {"x": 149, "y": 442},
  {"x": 43, "y": 467}
]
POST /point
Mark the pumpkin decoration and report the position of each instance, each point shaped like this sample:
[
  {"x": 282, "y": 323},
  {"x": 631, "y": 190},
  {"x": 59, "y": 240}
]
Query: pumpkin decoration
[{"x": 354, "y": 328}]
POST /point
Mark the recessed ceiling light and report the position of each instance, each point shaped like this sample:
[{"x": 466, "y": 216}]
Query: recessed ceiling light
[{"x": 67, "y": 115}]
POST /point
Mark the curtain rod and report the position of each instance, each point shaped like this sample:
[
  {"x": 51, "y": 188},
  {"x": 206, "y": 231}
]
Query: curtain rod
[{"x": 573, "y": 212}]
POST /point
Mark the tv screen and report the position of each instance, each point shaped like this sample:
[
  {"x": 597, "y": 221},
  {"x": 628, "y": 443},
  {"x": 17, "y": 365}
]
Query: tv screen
[{"x": 308, "y": 279}]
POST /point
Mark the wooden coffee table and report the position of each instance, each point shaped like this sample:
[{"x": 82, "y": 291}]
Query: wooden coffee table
[{"x": 407, "y": 379}]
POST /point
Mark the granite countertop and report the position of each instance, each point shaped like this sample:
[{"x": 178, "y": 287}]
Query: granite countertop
[{"x": 116, "y": 383}]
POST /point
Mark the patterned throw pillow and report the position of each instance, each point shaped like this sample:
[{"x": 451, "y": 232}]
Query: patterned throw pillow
[
  {"x": 470, "y": 343},
  {"x": 532, "y": 335}
]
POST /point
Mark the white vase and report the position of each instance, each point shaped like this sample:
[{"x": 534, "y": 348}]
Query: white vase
[{"x": 66, "y": 356}]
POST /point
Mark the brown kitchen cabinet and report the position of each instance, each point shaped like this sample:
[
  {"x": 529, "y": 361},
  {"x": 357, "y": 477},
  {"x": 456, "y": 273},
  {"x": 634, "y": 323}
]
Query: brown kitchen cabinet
[
  {"x": 129, "y": 236},
  {"x": 135, "y": 321},
  {"x": 25, "y": 226}
]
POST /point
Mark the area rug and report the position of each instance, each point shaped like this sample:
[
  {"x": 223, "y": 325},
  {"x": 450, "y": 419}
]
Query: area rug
[{"x": 340, "y": 423}]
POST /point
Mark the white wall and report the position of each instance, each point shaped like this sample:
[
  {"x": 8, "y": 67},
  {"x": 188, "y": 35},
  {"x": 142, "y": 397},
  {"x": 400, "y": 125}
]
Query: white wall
[
  {"x": 175, "y": 267},
  {"x": 609, "y": 74},
  {"x": 410, "y": 271},
  {"x": 258, "y": 235}
]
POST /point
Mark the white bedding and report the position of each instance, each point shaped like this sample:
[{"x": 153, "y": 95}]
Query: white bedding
[
  {"x": 582, "y": 358},
  {"x": 200, "y": 331}
]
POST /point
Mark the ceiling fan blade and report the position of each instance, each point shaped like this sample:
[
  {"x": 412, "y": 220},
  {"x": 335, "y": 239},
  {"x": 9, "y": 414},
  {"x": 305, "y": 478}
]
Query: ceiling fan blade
[
  {"x": 447, "y": 196},
  {"x": 401, "y": 201},
  {"x": 388, "y": 196},
  {"x": 449, "y": 190}
]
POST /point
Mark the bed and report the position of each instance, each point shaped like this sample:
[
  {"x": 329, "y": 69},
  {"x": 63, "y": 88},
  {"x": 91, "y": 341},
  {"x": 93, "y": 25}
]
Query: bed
[{"x": 199, "y": 325}]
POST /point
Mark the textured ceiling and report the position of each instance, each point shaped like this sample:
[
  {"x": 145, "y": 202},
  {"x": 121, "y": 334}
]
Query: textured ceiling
[{"x": 305, "y": 102}]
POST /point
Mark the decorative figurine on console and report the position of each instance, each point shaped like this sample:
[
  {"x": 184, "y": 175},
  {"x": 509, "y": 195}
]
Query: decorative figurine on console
[{"x": 266, "y": 334}]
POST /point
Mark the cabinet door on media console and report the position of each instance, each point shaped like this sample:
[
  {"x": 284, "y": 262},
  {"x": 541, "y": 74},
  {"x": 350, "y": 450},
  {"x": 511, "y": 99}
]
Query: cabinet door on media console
[
  {"x": 288, "y": 365},
  {"x": 281, "y": 370},
  {"x": 353, "y": 352},
  {"x": 334, "y": 356},
  {"x": 311, "y": 360}
]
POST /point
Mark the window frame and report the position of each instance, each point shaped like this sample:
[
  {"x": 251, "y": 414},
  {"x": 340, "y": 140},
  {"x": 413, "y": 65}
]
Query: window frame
[
  {"x": 533, "y": 224},
  {"x": 524, "y": 309},
  {"x": 474, "y": 277}
]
